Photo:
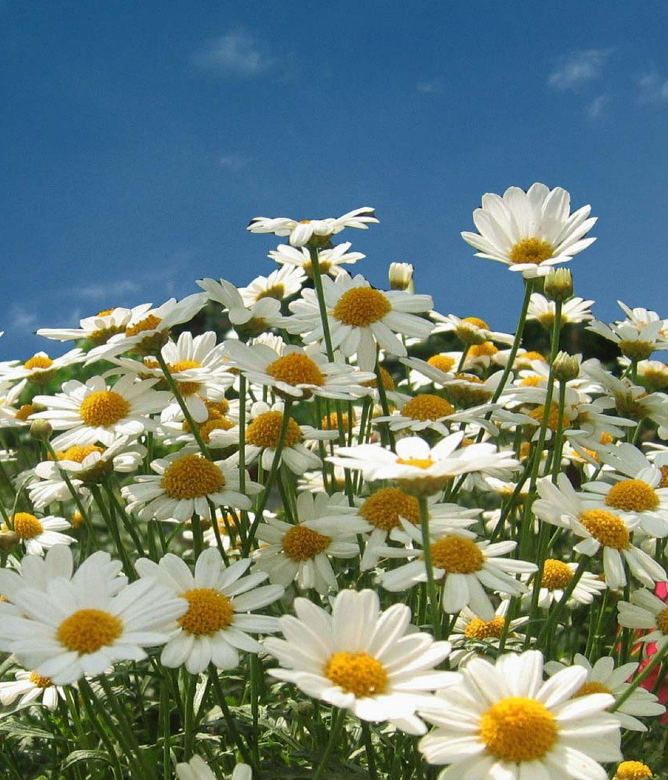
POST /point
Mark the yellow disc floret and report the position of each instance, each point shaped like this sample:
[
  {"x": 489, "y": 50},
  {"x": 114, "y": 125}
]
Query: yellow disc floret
[
  {"x": 40, "y": 682},
  {"x": 208, "y": 612},
  {"x": 357, "y": 673},
  {"x": 24, "y": 412},
  {"x": 608, "y": 529},
  {"x": 192, "y": 477},
  {"x": 591, "y": 687},
  {"x": 79, "y": 453},
  {"x": 632, "y": 495},
  {"x": 148, "y": 323},
  {"x": 38, "y": 361},
  {"x": 103, "y": 408},
  {"x": 302, "y": 544},
  {"x": 26, "y": 526},
  {"x": 296, "y": 369},
  {"x": 538, "y": 413},
  {"x": 388, "y": 382},
  {"x": 486, "y": 349},
  {"x": 361, "y": 307},
  {"x": 556, "y": 575},
  {"x": 662, "y": 621},
  {"x": 443, "y": 363},
  {"x": 485, "y": 629},
  {"x": 456, "y": 555},
  {"x": 87, "y": 630},
  {"x": 427, "y": 407},
  {"x": 518, "y": 729},
  {"x": 531, "y": 250},
  {"x": 384, "y": 508},
  {"x": 633, "y": 770},
  {"x": 477, "y": 322},
  {"x": 276, "y": 291},
  {"x": 265, "y": 431}
]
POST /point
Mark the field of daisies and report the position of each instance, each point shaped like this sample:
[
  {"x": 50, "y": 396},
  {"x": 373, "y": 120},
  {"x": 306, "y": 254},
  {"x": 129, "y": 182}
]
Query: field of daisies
[{"x": 313, "y": 529}]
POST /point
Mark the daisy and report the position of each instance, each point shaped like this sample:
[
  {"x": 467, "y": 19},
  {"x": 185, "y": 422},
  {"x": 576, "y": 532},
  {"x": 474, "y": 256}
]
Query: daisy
[
  {"x": 502, "y": 722},
  {"x": 572, "y": 311},
  {"x": 555, "y": 579},
  {"x": 531, "y": 231},
  {"x": 428, "y": 411},
  {"x": 329, "y": 260},
  {"x": 361, "y": 318},
  {"x": 198, "y": 769},
  {"x": 560, "y": 505},
  {"x": 361, "y": 659},
  {"x": 38, "y": 534},
  {"x": 31, "y": 688},
  {"x": 635, "y": 343},
  {"x": 645, "y": 611},
  {"x": 472, "y": 636},
  {"x": 250, "y": 319},
  {"x": 97, "y": 412},
  {"x": 284, "y": 282},
  {"x": 633, "y": 770},
  {"x": 602, "y": 677},
  {"x": 463, "y": 565},
  {"x": 438, "y": 369},
  {"x": 652, "y": 373},
  {"x": 300, "y": 553},
  {"x": 314, "y": 232},
  {"x": 220, "y": 600},
  {"x": 40, "y": 368},
  {"x": 296, "y": 373},
  {"x": 99, "y": 328},
  {"x": 74, "y": 628},
  {"x": 470, "y": 330},
  {"x": 184, "y": 484}
]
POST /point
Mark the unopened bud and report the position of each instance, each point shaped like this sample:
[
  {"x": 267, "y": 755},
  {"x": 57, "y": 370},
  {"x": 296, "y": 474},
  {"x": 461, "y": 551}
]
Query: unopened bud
[
  {"x": 401, "y": 276},
  {"x": 566, "y": 367},
  {"x": 41, "y": 430},
  {"x": 559, "y": 285},
  {"x": 8, "y": 541}
]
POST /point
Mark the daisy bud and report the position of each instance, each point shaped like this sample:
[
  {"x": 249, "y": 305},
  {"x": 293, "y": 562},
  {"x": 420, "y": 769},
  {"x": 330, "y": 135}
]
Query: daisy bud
[
  {"x": 401, "y": 276},
  {"x": 566, "y": 367},
  {"x": 8, "y": 541},
  {"x": 41, "y": 430},
  {"x": 559, "y": 285}
]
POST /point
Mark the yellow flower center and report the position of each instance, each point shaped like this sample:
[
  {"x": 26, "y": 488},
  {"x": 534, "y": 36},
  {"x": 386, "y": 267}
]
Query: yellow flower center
[
  {"x": 324, "y": 266},
  {"x": 485, "y": 629},
  {"x": 388, "y": 382},
  {"x": 608, "y": 529},
  {"x": 361, "y": 306},
  {"x": 532, "y": 381},
  {"x": 217, "y": 424},
  {"x": 208, "y": 612},
  {"x": 296, "y": 369},
  {"x": 77, "y": 519},
  {"x": 427, "y": 407},
  {"x": 633, "y": 770},
  {"x": 662, "y": 621},
  {"x": 265, "y": 431},
  {"x": 456, "y": 555},
  {"x": 591, "y": 687},
  {"x": 468, "y": 391},
  {"x": 635, "y": 349},
  {"x": 531, "y": 250},
  {"x": 517, "y": 729},
  {"x": 302, "y": 544},
  {"x": 330, "y": 422},
  {"x": 148, "y": 323},
  {"x": 103, "y": 408},
  {"x": 418, "y": 463},
  {"x": 275, "y": 291},
  {"x": 102, "y": 335},
  {"x": 656, "y": 377},
  {"x": 186, "y": 388},
  {"x": 664, "y": 476},
  {"x": 444, "y": 363},
  {"x": 40, "y": 682},
  {"x": 87, "y": 630},
  {"x": 105, "y": 312},
  {"x": 384, "y": 508},
  {"x": 27, "y": 526},
  {"x": 38, "y": 361},
  {"x": 556, "y": 575},
  {"x": 78, "y": 453},
  {"x": 632, "y": 495},
  {"x": 477, "y": 322},
  {"x": 357, "y": 673},
  {"x": 486, "y": 349},
  {"x": 538, "y": 413},
  {"x": 534, "y": 356},
  {"x": 25, "y": 411},
  {"x": 192, "y": 477}
]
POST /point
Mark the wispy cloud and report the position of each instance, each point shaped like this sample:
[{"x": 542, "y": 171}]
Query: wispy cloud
[
  {"x": 237, "y": 53},
  {"x": 578, "y": 68},
  {"x": 652, "y": 88},
  {"x": 428, "y": 87},
  {"x": 232, "y": 162},
  {"x": 22, "y": 318},
  {"x": 109, "y": 290},
  {"x": 596, "y": 110}
]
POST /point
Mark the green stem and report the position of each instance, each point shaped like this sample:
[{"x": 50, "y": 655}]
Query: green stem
[
  {"x": 431, "y": 583},
  {"x": 229, "y": 718},
  {"x": 657, "y": 658},
  {"x": 338, "y": 718},
  {"x": 368, "y": 746}
]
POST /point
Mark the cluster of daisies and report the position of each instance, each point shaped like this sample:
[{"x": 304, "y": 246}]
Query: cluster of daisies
[{"x": 348, "y": 497}]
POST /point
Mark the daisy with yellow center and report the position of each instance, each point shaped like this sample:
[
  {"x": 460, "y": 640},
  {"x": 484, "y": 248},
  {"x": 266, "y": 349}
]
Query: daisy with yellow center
[
  {"x": 502, "y": 722},
  {"x": 40, "y": 368},
  {"x": 469, "y": 330},
  {"x": 557, "y": 576},
  {"x": 530, "y": 231},
  {"x": 361, "y": 659},
  {"x": 472, "y": 636},
  {"x": 313, "y": 232},
  {"x": 96, "y": 412},
  {"x": 185, "y": 483},
  {"x": 38, "y": 534},
  {"x": 464, "y": 566},
  {"x": 220, "y": 600},
  {"x": 648, "y": 612},
  {"x": 600, "y": 529},
  {"x": 361, "y": 318},
  {"x": 282, "y": 283},
  {"x": 300, "y": 553},
  {"x": 75, "y": 628},
  {"x": 100, "y": 327},
  {"x": 603, "y": 677},
  {"x": 32, "y": 689},
  {"x": 249, "y": 319},
  {"x": 572, "y": 311}
]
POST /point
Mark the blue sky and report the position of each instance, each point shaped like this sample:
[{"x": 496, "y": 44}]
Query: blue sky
[{"x": 138, "y": 139}]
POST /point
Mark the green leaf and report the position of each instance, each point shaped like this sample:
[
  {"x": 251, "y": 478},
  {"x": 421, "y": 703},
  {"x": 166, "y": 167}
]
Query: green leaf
[{"x": 85, "y": 755}]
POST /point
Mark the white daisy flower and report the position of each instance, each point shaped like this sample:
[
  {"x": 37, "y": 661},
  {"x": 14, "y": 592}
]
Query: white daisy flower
[
  {"x": 531, "y": 231},
  {"x": 428, "y": 411},
  {"x": 252, "y": 319},
  {"x": 313, "y": 231},
  {"x": 99, "y": 328},
  {"x": 471, "y": 636},
  {"x": 556, "y": 577},
  {"x": 39, "y": 534},
  {"x": 635, "y": 343},
  {"x": 465, "y": 566},
  {"x": 361, "y": 659},
  {"x": 74, "y": 628},
  {"x": 572, "y": 311},
  {"x": 40, "y": 368},
  {"x": 329, "y": 260},
  {"x": 502, "y": 722},
  {"x": 220, "y": 600},
  {"x": 284, "y": 282},
  {"x": 300, "y": 553},
  {"x": 602, "y": 677},
  {"x": 438, "y": 369},
  {"x": 361, "y": 318},
  {"x": 31, "y": 687},
  {"x": 198, "y": 769},
  {"x": 648, "y": 612},
  {"x": 186, "y": 483},
  {"x": 470, "y": 330},
  {"x": 97, "y": 412}
]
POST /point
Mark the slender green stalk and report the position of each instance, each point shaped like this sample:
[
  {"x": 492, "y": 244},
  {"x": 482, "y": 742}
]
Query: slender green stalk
[
  {"x": 637, "y": 681},
  {"x": 338, "y": 718},
  {"x": 229, "y": 718},
  {"x": 431, "y": 583},
  {"x": 368, "y": 746}
]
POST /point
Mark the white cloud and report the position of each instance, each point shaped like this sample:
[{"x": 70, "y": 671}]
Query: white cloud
[
  {"x": 235, "y": 54},
  {"x": 427, "y": 87},
  {"x": 22, "y": 318},
  {"x": 596, "y": 109},
  {"x": 232, "y": 162},
  {"x": 109, "y": 290},
  {"x": 652, "y": 88},
  {"x": 578, "y": 68}
]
